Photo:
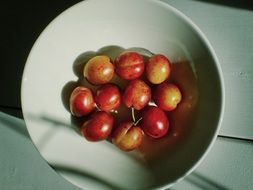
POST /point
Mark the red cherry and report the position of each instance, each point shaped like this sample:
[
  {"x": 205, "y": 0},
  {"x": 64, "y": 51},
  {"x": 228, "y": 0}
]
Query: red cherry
[
  {"x": 158, "y": 69},
  {"x": 127, "y": 136},
  {"x": 99, "y": 70},
  {"x": 108, "y": 97},
  {"x": 81, "y": 101},
  {"x": 137, "y": 94},
  {"x": 167, "y": 96},
  {"x": 98, "y": 127},
  {"x": 129, "y": 65},
  {"x": 155, "y": 123}
]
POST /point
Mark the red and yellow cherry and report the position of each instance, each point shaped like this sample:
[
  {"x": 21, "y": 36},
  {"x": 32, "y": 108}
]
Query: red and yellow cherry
[
  {"x": 158, "y": 69},
  {"x": 99, "y": 70},
  {"x": 167, "y": 96},
  {"x": 108, "y": 97},
  {"x": 81, "y": 101},
  {"x": 127, "y": 136},
  {"x": 154, "y": 123},
  {"x": 98, "y": 127},
  {"x": 129, "y": 65},
  {"x": 137, "y": 94}
]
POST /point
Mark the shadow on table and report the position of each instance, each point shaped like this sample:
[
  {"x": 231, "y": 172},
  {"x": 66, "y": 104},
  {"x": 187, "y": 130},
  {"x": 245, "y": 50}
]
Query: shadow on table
[
  {"x": 22, "y": 22},
  {"x": 15, "y": 124},
  {"x": 244, "y": 4},
  {"x": 85, "y": 175},
  {"x": 196, "y": 179},
  {"x": 14, "y": 111},
  {"x": 203, "y": 182}
]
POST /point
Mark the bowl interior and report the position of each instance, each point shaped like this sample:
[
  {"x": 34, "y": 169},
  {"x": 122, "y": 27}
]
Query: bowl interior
[{"x": 105, "y": 27}]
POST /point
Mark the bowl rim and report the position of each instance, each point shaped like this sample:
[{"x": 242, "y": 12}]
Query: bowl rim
[{"x": 200, "y": 34}]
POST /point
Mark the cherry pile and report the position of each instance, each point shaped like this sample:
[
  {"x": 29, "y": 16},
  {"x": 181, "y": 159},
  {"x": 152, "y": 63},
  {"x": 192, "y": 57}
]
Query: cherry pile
[{"x": 138, "y": 95}]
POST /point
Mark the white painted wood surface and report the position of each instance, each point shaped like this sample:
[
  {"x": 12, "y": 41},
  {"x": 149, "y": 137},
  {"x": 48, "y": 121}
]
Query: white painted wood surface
[{"x": 228, "y": 165}]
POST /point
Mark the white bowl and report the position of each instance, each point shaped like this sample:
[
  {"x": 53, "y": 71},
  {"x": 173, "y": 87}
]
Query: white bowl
[{"x": 105, "y": 27}]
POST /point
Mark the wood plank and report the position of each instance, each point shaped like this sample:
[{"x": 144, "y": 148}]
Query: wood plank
[{"x": 227, "y": 166}]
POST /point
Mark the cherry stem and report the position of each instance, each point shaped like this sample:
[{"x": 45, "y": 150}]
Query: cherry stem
[
  {"x": 133, "y": 115},
  {"x": 135, "y": 123}
]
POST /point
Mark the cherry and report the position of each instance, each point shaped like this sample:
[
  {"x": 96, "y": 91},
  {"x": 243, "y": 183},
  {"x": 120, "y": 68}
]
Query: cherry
[
  {"x": 137, "y": 94},
  {"x": 81, "y": 101},
  {"x": 167, "y": 96},
  {"x": 99, "y": 70},
  {"x": 129, "y": 65},
  {"x": 108, "y": 97},
  {"x": 98, "y": 127},
  {"x": 158, "y": 69},
  {"x": 154, "y": 122},
  {"x": 127, "y": 136}
]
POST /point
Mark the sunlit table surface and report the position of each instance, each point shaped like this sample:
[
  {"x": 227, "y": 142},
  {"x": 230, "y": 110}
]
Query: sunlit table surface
[{"x": 229, "y": 27}]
